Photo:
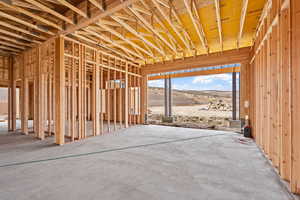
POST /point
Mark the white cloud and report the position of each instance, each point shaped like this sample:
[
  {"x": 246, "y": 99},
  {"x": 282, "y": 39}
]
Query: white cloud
[
  {"x": 212, "y": 78},
  {"x": 156, "y": 83}
]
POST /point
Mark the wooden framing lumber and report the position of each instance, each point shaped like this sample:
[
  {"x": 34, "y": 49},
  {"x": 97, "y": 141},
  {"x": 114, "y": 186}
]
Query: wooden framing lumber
[
  {"x": 242, "y": 21},
  {"x": 196, "y": 73},
  {"x": 219, "y": 22},
  {"x": 49, "y": 10},
  {"x": 213, "y": 59},
  {"x": 59, "y": 91}
]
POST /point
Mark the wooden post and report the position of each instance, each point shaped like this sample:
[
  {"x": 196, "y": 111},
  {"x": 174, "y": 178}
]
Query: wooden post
[
  {"x": 73, "y": 95},
  {"x": 144, "y": 97},
  {"x": 120, "y": 100},
  {"x": 115, "y": 99},
  {"x": 59, "y": 91},
  {"x": 95, "y": 98},
  {"x": 13, "y": 95},
  {"x": 244, "y": 90},
  {"x": 25, "y": 106},
  {"x": 126, "y": 97},
  {"x": 38, "y": 97},
  {"x": 234, "y": 95},
  {"x": 102, "y": 97}
]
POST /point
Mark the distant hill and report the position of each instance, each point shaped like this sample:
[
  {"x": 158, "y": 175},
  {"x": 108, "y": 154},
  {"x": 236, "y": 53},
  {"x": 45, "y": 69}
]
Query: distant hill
[{"x": 187, "y": 97}]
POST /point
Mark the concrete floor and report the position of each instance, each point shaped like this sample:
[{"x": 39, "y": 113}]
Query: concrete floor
[{"x": 142, "y": 162}]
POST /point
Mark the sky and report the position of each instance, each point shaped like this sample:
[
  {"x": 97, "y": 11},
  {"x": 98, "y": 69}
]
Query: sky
[{"x": 222, "y": 82}]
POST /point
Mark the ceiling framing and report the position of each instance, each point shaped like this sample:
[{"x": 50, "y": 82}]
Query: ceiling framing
[{"x": 145, "y": 31}]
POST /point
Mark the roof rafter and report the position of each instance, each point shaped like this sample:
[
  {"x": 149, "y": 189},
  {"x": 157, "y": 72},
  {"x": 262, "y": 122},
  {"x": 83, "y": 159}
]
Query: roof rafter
[
  {"x": 30, "y": 14},
  {"x": 15, "y": 41},
  {"x": 180, "y": 23},
  {"x": 119, "y": 35},
  {"x": 218, "y": 14},
  {"x": 12, "y": 45},
  {"x": 20, "y": 21},
  {"x": 18, "y": 36},
  {"x": 7, "y": 25},
  {"x": 174, "y": 28},
  {"x": 49, "y": 10},
  {"x": 134, "y": 32},
  {"x": 9, "y": 48},
  {"x": 151, "y": 28},
  {"x": 107, "y": 39},
  {"x": 72, "y": 7},
  {"x": 159, "y": 21},
  {"x": 96, "y": 4},
  {"x": 196, "y": 23},
  {"x": 242, "y": 21}
]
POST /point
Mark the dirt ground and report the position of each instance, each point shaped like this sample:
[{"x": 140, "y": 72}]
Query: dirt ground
[
  {"x": 193, "y": 109},
  {"x": 196, "y": 110}
]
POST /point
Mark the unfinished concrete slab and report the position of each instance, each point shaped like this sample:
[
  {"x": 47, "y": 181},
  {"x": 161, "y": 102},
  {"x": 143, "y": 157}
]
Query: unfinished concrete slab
[{"x": 142, "y": 162}]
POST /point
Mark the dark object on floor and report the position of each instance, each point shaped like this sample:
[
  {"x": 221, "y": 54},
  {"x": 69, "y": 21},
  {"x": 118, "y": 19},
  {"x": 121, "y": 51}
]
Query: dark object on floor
[{"x": 247, "y": 131}]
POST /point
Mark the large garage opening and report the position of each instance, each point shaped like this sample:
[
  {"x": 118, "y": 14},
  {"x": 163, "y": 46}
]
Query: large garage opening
[{"x": 204, "y": 98}]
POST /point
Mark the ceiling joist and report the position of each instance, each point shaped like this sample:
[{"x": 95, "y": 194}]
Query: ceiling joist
[
  {"x": 219, "y": 22},
  {"x": 242, "y": 21}
]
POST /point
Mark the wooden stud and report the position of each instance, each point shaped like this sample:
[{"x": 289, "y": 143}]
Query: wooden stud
[{"x": 59, "y": 91}]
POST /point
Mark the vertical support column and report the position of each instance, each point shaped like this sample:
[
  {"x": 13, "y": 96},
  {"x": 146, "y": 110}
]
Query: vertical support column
[
  {"x": 24, "y": 99},
  {"x": 59, "y": 91},
  {"x": 144, "y": 98},
  {"x": 12, "y": 96},
  {"x": 166, "y": 99},
  {"x": 126, "y": 97},
  {"x": 102, "y": 99},
  {"x": 170, "y": 96},
  {"x": 108, "y": 99},
  {"x": 95, "y": 98},
  {"x": 233, "y": 95},
  {"x": 25, "y": 106},
  {"x": 244, "y": 90},
  {"x": 38, "y": 98}
]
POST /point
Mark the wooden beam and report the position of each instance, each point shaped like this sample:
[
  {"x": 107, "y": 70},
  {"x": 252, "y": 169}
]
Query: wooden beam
[
  {"x": 15, "y": 28},
  {"x": 197, "y": 73},
  {"x": 18, "y": 36},
  {"x": 9, "y": 49},
  {"x": 15, "y": 41},
  {"x": 49, "y": 10},
  {"x": 107, "y": 39},
  {"x": 59, "y": 91},
  {"x": 72, "y": 7},
  {"x": 30, "y": 14},
  {"x": 152, "y": 29},
  {"x": 174, "y": 28},
  {"x": 193, "y": 14},
  {"x": 219, "y": 22},
  {"x": 180, "y": 22},
  {"x": 96, "y": 4},
  {"x": 134, "y": 32},
  {"x": 119, "y": 35},
  {"x": 213, "y": 59},
  {"x": 242, "y": 21},
  {"x": 92, "y": 41},
  {"x": 114, "y": 7},
  {"x": 20, "y": 21},
  {"x": 11, "y": 45}
]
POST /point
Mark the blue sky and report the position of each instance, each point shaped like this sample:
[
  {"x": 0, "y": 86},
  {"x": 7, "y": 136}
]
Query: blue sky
[{"x": 221, "y": 82}]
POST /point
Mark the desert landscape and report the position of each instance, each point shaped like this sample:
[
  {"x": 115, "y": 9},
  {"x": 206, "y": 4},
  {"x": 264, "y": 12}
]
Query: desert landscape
[{"x": 210, "y": 109}]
